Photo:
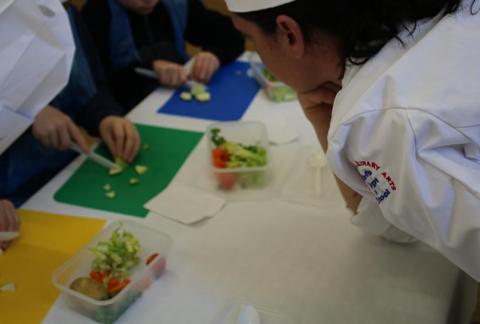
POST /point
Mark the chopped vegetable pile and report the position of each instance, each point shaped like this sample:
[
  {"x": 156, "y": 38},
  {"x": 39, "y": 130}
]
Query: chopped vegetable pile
[
  {"x": 232, "y": 155},
  {"x": 8, "y": 287},
  {"x": 117, "y": 255},
  {"x": 280, "y": 91},
  {"x": 198, "y": 91},
  {"x": 268, "y": 75},
  {"x": 110, "y": 268},
  {"x": 120, "y": 168}
]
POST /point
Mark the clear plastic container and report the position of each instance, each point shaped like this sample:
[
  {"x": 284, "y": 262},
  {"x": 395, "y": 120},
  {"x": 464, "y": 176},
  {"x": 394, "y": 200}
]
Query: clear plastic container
[
  {"x": 247, "y": 133},
  {"x": 230, "y": 312},
  {"x": 141, "y": 276},
  {"x": 275, "y": 90}
]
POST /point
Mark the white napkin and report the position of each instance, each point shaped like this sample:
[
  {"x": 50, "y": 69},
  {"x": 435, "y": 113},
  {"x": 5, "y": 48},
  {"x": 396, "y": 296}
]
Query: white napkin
[{"x": 185, "y": 204}]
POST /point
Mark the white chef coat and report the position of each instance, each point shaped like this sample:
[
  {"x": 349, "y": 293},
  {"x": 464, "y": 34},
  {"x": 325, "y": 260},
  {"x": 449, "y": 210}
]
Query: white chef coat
[
  {"x": 405, "y": 133},
  {"x": 36, "y": 53}
]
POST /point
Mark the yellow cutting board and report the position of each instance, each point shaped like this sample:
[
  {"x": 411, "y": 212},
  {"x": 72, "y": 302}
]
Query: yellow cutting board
[{"x": 46, "y": 241}]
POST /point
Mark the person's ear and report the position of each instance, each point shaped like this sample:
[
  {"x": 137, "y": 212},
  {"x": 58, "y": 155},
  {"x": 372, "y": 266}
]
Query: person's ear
[{"x": 290, "y": 36}]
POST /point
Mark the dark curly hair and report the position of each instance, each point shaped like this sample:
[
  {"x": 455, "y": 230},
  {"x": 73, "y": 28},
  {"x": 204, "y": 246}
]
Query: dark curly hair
[{"x": 362, "y": 27}]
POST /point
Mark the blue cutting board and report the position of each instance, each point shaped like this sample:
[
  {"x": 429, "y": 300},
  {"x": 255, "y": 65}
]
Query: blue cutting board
[{"x": 231, "y": 89}]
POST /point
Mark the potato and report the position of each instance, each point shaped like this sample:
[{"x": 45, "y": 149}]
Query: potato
[{"x": 90, "y": 288}]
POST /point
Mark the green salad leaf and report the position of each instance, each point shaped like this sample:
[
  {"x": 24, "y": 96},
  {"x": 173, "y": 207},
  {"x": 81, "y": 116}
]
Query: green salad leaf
[{"x": 117, "y": 255}]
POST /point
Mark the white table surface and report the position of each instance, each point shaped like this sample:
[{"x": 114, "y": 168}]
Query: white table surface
[{"x": 305, "y": 262}]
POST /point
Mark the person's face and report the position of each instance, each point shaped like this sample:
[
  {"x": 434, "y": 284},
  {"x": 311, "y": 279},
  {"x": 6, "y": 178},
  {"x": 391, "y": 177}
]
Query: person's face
[
  {"x": 141, "y": 7},
  {"x": 317, "y": 65}
]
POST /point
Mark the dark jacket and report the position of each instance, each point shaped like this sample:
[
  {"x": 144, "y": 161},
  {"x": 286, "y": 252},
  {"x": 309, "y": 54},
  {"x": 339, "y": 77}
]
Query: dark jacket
[{"x": 154, "y": 38}]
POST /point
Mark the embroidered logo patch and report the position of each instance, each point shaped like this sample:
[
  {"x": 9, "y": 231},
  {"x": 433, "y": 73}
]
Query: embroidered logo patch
[{"x": 377, "y": 180}]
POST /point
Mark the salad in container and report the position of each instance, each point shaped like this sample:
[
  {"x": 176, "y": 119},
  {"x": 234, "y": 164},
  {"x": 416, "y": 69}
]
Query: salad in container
[
  {"x": 274, "y": 88},
  {"x": 103, "y": 279},
  {"x": 239, "y": 156}
]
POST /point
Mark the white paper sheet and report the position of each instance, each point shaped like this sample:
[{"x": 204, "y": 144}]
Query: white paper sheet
[{"x": 185, "y": 204}]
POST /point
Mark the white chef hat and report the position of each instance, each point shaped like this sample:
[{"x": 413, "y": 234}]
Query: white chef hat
[{"x": 254, "y": 5}]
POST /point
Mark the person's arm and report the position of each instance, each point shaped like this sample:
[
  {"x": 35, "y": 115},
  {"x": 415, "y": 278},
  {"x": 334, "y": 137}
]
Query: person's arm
[
  {"x": 9, "y": 220},
  {"x": 53, "y": 128},
  {"x": 423, "y": 183},
  {"x": 317, "y": 106},
  {"x": 213, "y": 32},
  {"x": 103, "y": 103},
  {"x": 102, "y": 115}
]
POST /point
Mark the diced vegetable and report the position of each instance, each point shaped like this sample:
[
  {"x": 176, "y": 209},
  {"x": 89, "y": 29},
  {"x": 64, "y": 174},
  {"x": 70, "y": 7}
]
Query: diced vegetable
[
  {"x": 268, "y": 75},
  {"x": 8, "y": 287},
  {"x": 231, "y": 155},
  {"x": 198, "y": 88},
  {"x": 226, "y": 181},
  {"x": 121, "y": 163},
  {"x": 110, "y": 194},
  {"x": 115, "y": 171},
  {"x": 151, "y": 258},
  {"x": 110, "y": 268},
  {"x": 198, "y": 91},
  {"x": 117, "y": 255},
  {"x": 251, "y": 179},
  {"x": 217, "y": 140},
  {"x": 115, "y": 285},
  {"x": 89, "y": 287},
  {"x": 134, "y": 181},
  {"x": 141, "y": 169},
  {"x": 220, "y": 158},
  {"x": 203, "y": 97},
  {"x": 187, "y": 96},
  {"x": 278, "y": 91},
  {"x": 99, "y": 276},
  {"x": 160, "y": 264},
  {"x": 107, "y": 187},
  {"x": 281, "y": 93}
]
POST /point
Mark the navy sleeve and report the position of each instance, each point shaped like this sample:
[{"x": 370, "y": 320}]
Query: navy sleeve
[{"x": 103, "y": 103}]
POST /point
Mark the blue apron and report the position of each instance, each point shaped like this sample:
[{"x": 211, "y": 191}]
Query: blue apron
[{"x": 123, "y": 51}]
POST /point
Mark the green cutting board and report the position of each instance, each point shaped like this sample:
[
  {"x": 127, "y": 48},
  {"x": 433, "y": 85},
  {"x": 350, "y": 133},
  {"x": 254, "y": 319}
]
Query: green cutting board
[{"x": 168, "y": 149}]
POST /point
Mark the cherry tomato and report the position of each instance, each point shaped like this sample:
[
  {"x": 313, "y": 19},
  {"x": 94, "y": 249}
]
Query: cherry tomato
[
  {"x": 219, "y": 164},
  {"x": 115, "y": 285},
  {"x": 220, "y": 154},
  {"x": 95, "y": 275},
  {"x": 220, "y": 157},
  {"x": 151, "y": 257},
  {"x": 160, "y": 264},
  {"x": 226, "y": 181}
]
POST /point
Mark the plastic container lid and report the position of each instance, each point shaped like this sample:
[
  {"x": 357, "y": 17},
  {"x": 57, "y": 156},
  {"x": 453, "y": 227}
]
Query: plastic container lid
[{"x": 141, "y": 276}]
